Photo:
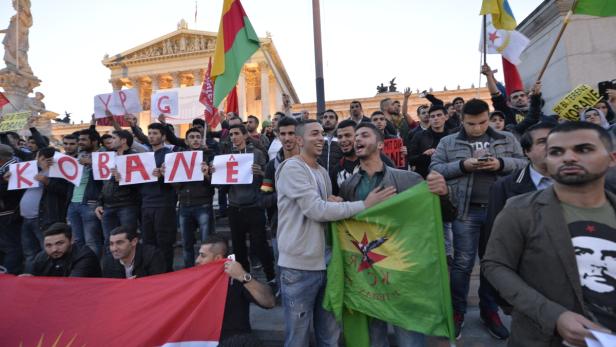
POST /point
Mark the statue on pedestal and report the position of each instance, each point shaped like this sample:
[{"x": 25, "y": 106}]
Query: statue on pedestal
[
  {"x": 392, "y": 86},
  {"x": 16, "y": 38},
  {"x": 36, "y": 104}
]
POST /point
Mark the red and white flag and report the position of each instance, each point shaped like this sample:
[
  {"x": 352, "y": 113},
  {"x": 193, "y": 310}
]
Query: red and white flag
[
  {"x": 183, "y": 308},
  {"x": 207, "y": 99},
  {"x": 509, "y": 43},
  {"x": 3, "y": 100}
]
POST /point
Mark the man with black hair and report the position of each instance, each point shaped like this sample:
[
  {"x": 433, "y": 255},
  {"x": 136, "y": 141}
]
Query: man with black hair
[
  {"x": 380, "y": 121},
  {"x": 107, "y": 142},
  {"x": 10, "y": 220},
  {"x": 423, "y": 144},
  {"x": 471, "y": 161},
  {"x": 195, "y": 200},
  {"x": 424, "y": 121},
  {"x": 552, "y": 253},
  {"x": 243, "y": 290},
  {"x": 158, "y": 201},
  {"x": 118, "y": 205},
  {"x": 83, "y": 201},
  {"x": 252, "y": 124},
  {"x": 357, "y": 113},
  {"x": 269, "y": 199},
  {"x": 397, "y": 124},
  {"x": 130, "y": 259},
  {"x": 62, "y": 258},
  {"x": 374, "y": 173},
  {"x": 349, "y": 163},
  {"x": 331, "y": 150},
  {"x": 246, "y": 215},
  {"x": 69, "y": 144},
  {"x": 275, "y": 144}
]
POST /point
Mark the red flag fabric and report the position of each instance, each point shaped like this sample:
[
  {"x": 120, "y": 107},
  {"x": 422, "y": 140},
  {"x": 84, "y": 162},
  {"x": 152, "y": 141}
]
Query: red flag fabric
[
  {"x": 3, "y": 100},
  {"x": 164, "y": 310},
  {"x": 106, "y": 122},
  {"x": 232, "y": 103},
  {"x": 513, "y": 81},
  {"x": 207, "y": 99}
]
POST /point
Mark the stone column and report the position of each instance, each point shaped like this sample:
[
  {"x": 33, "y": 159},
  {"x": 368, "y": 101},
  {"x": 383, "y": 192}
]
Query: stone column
[
  {"x": 277, "y": 96},
  {"x": 198, "y": 76},
  {"x": 176, "y": 79},
  {"x": 265, "y": 109},
  {"x": 241, "y": 93},
  {"x": 136, "y": 83},
  {"x": 155, "y": 82},
  {"x": 116, "y": 84}
]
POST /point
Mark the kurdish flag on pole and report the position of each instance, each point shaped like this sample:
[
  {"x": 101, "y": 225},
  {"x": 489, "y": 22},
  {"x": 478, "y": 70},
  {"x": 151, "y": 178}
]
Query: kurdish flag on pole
[
  {"x": 235, "y": 43},
  {"x": 389, "y": 263},
  {"x": 600, "y": 8},
  {"x": 502, "y": 16}
]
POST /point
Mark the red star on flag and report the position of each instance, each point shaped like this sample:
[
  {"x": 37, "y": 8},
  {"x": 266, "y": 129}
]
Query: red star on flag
[
  {"x": 368, "y": 257},
  {"x": 590, "y": 228},
  {"x": 493, "y": 36}
]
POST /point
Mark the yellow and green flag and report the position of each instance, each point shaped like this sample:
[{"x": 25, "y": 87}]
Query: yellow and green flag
[
  {"x": 600, "y": 8},
  {"x": 502, "y": 16},
  {"x": 235, "y": 43},
  {"x": 389, "y": 263}
]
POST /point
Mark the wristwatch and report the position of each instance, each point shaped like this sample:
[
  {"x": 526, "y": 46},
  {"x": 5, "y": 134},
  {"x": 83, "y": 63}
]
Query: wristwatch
[{"x": 247, "y": 278}]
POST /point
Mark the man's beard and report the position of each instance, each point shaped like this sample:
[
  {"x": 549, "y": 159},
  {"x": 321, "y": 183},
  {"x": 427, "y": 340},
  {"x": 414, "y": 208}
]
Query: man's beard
[
  {"x": 577, "y": 180},
  {"x": 349, "y": 153},
  {"x": 522, "y": 108}
]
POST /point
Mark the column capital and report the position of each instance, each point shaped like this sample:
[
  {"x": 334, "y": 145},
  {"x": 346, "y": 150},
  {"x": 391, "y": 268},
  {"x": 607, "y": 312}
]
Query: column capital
[
  {"x": 116, "y": 83},
  {"x": 176, "y": 79}
]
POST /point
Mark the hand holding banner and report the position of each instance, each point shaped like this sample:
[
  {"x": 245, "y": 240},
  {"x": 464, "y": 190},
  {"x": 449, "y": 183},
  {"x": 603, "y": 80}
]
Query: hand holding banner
[
  {"x": 233, "y": 169},
  {"x": 136, "y": 168},
  {"x": 22, "y": 175},
  {"x": 66, "y": 167},
  {"x": 189, "y": 170},
  {"x": 102, "y": 163}
]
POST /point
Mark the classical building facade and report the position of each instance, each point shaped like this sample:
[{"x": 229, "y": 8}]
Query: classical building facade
[{"x": 179, "y": 59}]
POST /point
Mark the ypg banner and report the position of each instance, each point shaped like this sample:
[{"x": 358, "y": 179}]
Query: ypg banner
[
  {"x": 180, "y": 308},
  {"x": 389, "y": 263}
]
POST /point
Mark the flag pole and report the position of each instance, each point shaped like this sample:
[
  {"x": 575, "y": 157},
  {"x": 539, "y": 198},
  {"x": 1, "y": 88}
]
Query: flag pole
[
  {"x": 560, "y": 35},
  {"x": 17, "y": 38},
  {"x": 318, "y": 58},
  {"x": 485, "y": 39}
]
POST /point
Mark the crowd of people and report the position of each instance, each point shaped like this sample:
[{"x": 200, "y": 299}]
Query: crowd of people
[{"x": 521, "y": 190}]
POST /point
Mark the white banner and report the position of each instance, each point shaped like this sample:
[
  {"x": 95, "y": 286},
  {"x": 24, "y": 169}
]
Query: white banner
[
  {"x": 183, "y": 167},
  {"x": 102, "y": 163},
  {"x": 119, "y": 103},
  {"x": 66, "y": 167},
  {"x": 136, "y": 168},
  {"x": 22, "y": 175},
  {"x": 233, "y": 169},
  {"x": 180, "y": 105}
]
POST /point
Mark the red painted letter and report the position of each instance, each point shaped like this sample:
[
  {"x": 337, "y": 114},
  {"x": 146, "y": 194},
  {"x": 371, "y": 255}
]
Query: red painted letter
[
  {"x": 20, "y": 178},
  {"x": 166, "y": 108},
  {"x": 232, "y": 171},
  {"x": 103, "y": 169},
  {"x": 69, "y": 177},
  {"x": 187, "y": 168},
  {"x": 134, "y": 164}
]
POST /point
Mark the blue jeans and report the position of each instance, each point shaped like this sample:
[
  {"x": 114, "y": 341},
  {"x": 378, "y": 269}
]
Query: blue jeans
[
  {"x": 192, "y": 217},
  {"x": 466, "y": 232},
  {"x": 86, "y": 226},
  {"x": 31, "y": 241},
  {"x": 113, "y": 217},
  {"x": 404, "y": 338},
  {"x": 302, "y": 298},
  {"x": 10, "y": 243}
]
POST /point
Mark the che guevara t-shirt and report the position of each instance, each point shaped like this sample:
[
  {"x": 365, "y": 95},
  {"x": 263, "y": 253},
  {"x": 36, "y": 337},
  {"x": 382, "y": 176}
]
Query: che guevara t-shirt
[{"x": 593, "y": 234}]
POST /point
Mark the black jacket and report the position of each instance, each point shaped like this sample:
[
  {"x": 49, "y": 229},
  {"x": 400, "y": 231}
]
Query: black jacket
[
  {"x": 198, "y": 192},
  {"x": 93, "y": 187},
  {"x": 331, "y": 154},
  {"x": 79, "y": 262},
  {"x": 421, "y": 142},
  {"x": 158, "y": 194},
  {"x": 54, "y": 202},
  {"x": 115, "y": 195},
  {"x": 148, "y": 261},
  {"x": 9, "y": 199}
]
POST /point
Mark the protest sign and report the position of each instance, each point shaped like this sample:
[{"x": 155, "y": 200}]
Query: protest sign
[
  {"x": 136, "y": 168},
  {"x": 392, "y": 149},
  {"x": 183, "y": 167},
  {"x": 120, "y": 102},
  {"x": 22, "y": 175},
  {"x": 14, "y": 121},
  {"x": 579, "y": 98},
  {"x": 102, "y": 163},
  {"x": 233, "y": 169},
  {"x": 180, "y": 105},
  {"x": 66, "y": 167}
]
